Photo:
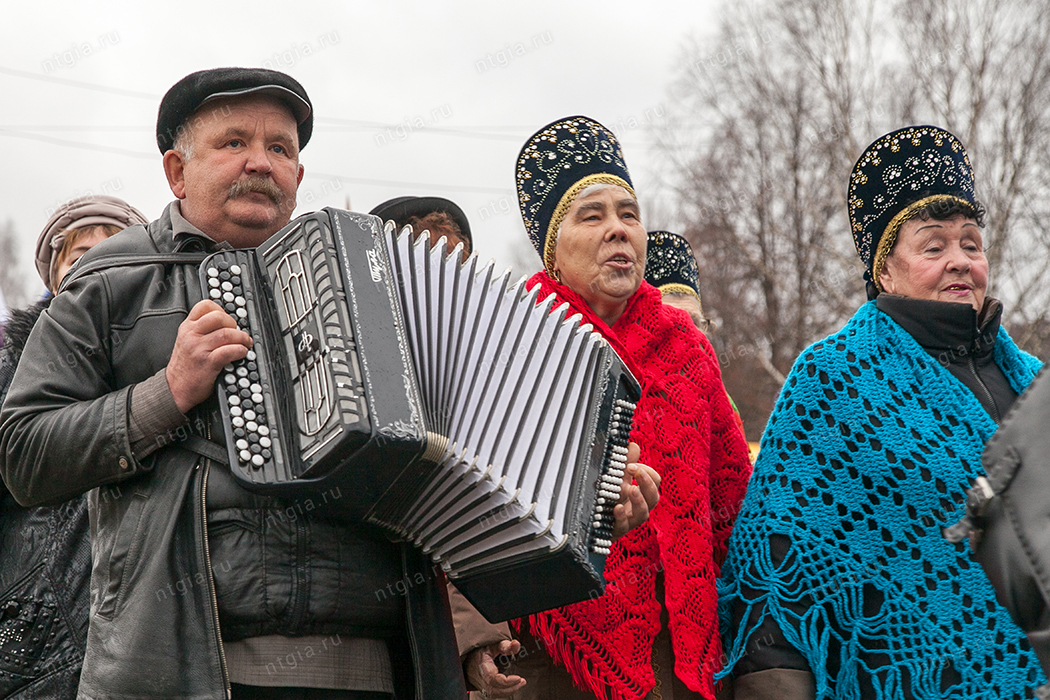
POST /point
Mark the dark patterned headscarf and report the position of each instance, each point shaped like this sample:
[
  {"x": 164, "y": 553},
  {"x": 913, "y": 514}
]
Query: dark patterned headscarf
[
  {"x": 557, "y": 163},
  {"x": 896, "y": 176}
]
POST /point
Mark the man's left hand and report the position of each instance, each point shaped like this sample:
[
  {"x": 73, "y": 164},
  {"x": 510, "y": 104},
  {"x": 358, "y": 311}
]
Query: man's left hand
[{"x": 639, "y": 493}]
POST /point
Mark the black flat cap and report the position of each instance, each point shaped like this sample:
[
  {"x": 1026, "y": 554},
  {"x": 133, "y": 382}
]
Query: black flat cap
[
  {"x": 401, "y": 209},
  {"x": 186, "y": 97}
]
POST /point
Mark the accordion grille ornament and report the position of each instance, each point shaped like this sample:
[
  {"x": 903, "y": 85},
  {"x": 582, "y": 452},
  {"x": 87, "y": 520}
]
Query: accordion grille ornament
[{"x": 450, "y": 405}]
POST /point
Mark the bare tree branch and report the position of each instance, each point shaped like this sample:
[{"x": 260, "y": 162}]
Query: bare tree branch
[{"x": 769, "y": 117}]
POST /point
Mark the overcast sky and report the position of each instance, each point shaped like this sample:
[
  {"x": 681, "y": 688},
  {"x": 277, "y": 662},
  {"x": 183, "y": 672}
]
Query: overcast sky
[{"x": 425, "y": 98}]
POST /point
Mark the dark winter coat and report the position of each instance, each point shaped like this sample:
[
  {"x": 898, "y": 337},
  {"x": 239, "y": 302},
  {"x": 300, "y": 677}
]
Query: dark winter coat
[{"x": 45, "y": 567}]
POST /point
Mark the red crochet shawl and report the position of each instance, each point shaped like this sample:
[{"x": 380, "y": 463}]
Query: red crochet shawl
[{"x": 686, "y": 430}]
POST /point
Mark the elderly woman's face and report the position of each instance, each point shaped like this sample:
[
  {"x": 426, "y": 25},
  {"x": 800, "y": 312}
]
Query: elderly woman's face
[
  {"x": 600, "y": 252},
  {"x": 689, "y": 304},
  {"x": 939, "y": 261}
]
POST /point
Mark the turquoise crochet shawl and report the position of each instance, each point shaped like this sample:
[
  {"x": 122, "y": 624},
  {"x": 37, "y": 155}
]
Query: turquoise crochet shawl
[{"x": 867, "y": 455}]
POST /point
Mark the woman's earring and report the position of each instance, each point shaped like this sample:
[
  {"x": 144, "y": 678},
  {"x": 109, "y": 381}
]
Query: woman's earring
[{"x": 556, "y": 275}]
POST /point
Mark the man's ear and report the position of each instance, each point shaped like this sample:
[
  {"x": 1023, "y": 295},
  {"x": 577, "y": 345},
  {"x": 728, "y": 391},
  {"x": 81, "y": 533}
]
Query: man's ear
[
  {"x": 299, "y": 178},
  {"x": 174, "y": 167}
]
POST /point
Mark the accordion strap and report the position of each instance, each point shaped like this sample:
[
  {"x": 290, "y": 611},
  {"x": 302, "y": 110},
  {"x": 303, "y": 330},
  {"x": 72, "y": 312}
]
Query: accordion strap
[
  {"x": 193, "y": 443},
  {"x": 205, "y": 448},
  {"x": 122, "y": 260}
]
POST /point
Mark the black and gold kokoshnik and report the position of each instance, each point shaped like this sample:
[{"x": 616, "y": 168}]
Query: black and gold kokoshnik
[
  {"x": 557, "y": 163},
  {"x": 670, "y": 265},
  {"x": 897, "y": 175}
]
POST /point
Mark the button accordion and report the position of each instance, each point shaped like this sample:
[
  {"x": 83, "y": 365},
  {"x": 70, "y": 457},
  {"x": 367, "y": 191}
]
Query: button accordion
[{"x": 440, "y": 400}]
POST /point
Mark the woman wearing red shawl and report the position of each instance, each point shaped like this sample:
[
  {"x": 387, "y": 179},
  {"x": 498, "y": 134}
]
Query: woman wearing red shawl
[{"x": 582, "y": 215}]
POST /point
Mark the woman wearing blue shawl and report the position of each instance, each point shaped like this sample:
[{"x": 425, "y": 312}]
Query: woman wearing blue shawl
[{"x": 839, "y": 582}]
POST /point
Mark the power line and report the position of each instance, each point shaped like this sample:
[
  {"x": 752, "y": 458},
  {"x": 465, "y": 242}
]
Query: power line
[
  {"x": 523, "y": 128},
  {"x": 77, "y": 144},
  {"x": 76, "y": 127},
  {"x": 470, "y": 132},
  {"x": 363, "y": 125},
  {"x": 79, "y": 84},
  {"x": 327, "y": 125},
  {"x": 6, "y": 131},
  {"x": 412, "y": 185}
]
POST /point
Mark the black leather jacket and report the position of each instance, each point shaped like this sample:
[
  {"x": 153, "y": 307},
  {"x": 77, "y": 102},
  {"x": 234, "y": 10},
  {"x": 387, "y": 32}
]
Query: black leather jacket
[
  {"x": 180, "y": 550},
  {"x": 45, "y": 565}
]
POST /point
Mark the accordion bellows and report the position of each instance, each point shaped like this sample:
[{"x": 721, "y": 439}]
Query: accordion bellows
[{"x": 446, "y": 403}]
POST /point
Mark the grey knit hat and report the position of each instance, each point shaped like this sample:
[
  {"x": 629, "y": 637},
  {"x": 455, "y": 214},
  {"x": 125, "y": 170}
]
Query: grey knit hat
[{"x": 91, "y": 210}]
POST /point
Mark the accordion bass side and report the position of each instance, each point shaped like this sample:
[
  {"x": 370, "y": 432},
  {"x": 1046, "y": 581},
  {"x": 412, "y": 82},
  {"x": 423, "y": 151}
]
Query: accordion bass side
[{"x": 442, "y": 402}]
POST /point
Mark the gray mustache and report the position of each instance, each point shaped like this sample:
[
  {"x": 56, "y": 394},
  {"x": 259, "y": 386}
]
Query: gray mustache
[{"x": 260, "y": 185}]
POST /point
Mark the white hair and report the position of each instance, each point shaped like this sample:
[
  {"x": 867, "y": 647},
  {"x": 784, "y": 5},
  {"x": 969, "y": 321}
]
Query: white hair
[
  {"x": 599, "y": 187},
  {"x": 587, "y": 192},
  {"x": 184, "y": 143}
]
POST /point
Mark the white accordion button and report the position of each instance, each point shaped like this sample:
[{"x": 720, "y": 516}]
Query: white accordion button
[
  {"x": 235, "y": 269},
  {"x": 264, "y": 431},
  {"x": 257, "y": 398},
  {"x": 251, "y": 356},
  {"x": 246, "y": 456},
  {"x": 227, "y": 287},
  {"x": 258, "y": 460},
  {"x": 251, "y": 425},
  {"x": 242, "y": 444},
  {"x": 215, "y": 294},
  {"x": 237, "y": 421},
  {"x": 235, "y": 410},
  {"x": 249, "y": 415},
  {"x": 264, "y": 441}
]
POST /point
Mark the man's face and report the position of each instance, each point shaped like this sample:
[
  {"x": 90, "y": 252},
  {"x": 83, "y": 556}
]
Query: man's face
[{"x": 240, "y": 181}]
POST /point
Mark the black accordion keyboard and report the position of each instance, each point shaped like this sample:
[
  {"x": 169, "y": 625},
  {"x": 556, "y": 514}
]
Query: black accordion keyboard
[{"x": 446, "y": 403}]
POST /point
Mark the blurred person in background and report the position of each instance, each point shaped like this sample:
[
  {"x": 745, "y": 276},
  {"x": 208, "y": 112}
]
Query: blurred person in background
[
  {"x": 671, "y": 267},
  {"x": 439, "y": 216},
  {"x": 45, "y": 552}
]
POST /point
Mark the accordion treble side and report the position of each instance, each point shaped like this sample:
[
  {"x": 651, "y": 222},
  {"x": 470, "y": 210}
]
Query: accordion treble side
[{"x": 446, "y": 404}]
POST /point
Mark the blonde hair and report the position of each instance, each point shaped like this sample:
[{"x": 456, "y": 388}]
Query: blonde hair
[{"x": 71, "y": 236}]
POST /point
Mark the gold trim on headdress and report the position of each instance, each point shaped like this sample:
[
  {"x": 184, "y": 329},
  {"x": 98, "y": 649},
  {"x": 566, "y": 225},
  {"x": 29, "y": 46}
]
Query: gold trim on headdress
[
  {"x": 563, "y": 208},
  {"x": 676, "y": 288},
  {"x": 889, "y": 236}
]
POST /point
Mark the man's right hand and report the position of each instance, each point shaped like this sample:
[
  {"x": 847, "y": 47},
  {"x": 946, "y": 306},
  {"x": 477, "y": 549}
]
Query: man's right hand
[
  {"x": 483, "y": 673},
  {"x": 207, "y": 341}
]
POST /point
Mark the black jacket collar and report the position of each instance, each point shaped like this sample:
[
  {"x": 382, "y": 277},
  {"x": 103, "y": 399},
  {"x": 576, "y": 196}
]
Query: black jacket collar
[{"x": 945, "y": 326}]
